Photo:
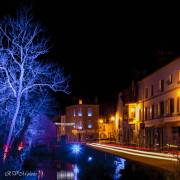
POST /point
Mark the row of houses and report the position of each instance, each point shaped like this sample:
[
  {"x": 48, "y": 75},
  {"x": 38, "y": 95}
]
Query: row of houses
[{"x": 149, "y": 111}]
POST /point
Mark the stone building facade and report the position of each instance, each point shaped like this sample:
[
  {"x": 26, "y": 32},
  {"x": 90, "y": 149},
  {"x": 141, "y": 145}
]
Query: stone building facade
[
  {"x": 84, "y": 120},
  {"x": 152, "y": 118}
]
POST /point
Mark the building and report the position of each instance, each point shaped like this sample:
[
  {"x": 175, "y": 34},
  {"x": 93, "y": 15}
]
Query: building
[
  {"x": 159, "y": 94},
  {"x": 106, "y": 130},
  {"x": 127, "y": 116},
  {"x": 151, "y": 110},
  {"x": 84, "y": 120}
]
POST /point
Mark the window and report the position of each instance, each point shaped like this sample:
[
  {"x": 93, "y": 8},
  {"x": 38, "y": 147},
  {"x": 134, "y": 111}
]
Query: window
[
  {"x": 167, "y": 107},
  {"x": 148, "y": 113},
  {"x": 89, "y": 126},
  {"x": 80, "y": 112},
  {"x": 89, "y": 112},
  {"x": 178, "y": 104},
  {"x": 161, "y": 108},
  {"x": 156, "y": 110},
  {"x": 152, "y": 111},
  {"x": 161, "y": 85},
  {"x": 171, "y": 109},
  {"x": 146, "y": 109},
  {"x": 152, "y": 90},
  {"x": 74, "y": 113},
  {"x": 175, "y": 134},
  {"x": 80, "y": 125},
  {"x": 170, "y": 79},
  {"x": 146, "y": 93},
  {"x": 132, "y": 113},
  {"x": 178, "y": 75},
  {"x": 140, "y": 115}
]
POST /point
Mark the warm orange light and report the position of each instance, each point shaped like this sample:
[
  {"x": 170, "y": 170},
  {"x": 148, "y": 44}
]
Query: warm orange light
[
  {"x": 117, "y": 119},
  {"x": 178, "y": 92},
  {"x": 112, "y": 118},
  {"x": 80, "y": 101},
  {"x": 101, "y": 121}
]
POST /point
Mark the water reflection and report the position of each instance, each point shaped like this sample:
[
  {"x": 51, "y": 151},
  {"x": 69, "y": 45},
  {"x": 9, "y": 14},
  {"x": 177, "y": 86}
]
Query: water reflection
[
  {"x": 70, "y": 173},
  {"x": 90, "y": 165},
  {"x": 119, "y": 165}
]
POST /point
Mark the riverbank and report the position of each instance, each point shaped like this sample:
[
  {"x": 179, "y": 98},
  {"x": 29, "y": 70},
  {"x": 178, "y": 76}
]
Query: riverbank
[{"x": 162, "y": 161}]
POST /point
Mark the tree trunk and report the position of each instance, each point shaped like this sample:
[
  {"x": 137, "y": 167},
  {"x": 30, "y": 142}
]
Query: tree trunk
[
  {"x": 18, "y": 102},
  {"x": 13, "y": 122}
]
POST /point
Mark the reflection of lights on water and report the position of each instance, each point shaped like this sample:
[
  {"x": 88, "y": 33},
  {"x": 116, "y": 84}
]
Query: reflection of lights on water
[
  {"x": 89, "y": 158},
  {"x": 76, "y": 169},
  {"x": 76, "y": 148},
  {"x": 65, "y": 175},
  {"x": 71, "y": 175},
  {"x": 40, "y": 174},
  {"x": 120, "y": 164}
]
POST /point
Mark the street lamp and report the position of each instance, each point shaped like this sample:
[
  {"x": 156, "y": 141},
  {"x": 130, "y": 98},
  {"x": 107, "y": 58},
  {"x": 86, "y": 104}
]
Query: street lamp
[
  {"x": 112, "y": 118},
  {"x": 101, "y": 121}
]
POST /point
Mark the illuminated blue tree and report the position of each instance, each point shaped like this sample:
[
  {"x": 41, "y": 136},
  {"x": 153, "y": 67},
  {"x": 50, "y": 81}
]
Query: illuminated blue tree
[{"x": 23, "y": 76}]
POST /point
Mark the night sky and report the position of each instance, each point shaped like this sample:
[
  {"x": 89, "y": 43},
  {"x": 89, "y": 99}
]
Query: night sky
[{"x": 103, "y": 46}]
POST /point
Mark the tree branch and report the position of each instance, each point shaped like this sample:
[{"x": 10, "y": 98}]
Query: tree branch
[{"x": 8, "y": 79}]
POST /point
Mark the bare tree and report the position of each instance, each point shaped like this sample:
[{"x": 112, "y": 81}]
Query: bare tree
[{"x": 22, "y": 73}]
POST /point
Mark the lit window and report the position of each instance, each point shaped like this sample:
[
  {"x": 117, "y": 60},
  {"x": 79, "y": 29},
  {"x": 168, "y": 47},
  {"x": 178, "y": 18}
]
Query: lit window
[
  {"x": 178, "y": 104},
  {"x": 80, "y": 101},
  {"x": 170, "y": 79},
  {"x": 80, "y": 113},
  {"x": 79, "y": 127},
  {"x": 178, "y": 75},
  {"x": 89, "y": 126},
  {"x": 74, "y": 113},
  {"x": 89, "y": 112}
]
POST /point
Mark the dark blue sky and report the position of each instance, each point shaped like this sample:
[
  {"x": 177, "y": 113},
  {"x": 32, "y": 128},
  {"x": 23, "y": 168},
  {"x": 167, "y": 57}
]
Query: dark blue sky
[{"x": 104, "y": 45}]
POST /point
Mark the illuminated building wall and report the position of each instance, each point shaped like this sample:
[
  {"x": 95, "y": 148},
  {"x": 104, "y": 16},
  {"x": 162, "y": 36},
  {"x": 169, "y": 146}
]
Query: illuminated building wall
[
  {"x": 106, "y": 130},
  {"x": 85, "y": 119},
  {"x": 151, "y": 114},
  {"x": 160, "y": 94}
]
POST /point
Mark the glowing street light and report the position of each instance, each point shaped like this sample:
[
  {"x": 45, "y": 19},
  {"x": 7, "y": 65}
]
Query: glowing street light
[
  {"x": 101, "y": 121},
  {"x": 112, "y": 118}
]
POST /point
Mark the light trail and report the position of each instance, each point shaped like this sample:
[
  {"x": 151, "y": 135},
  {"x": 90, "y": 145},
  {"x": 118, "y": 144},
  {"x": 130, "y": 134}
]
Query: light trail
[
  {"x": 137, "y": 151},
  {"x": 131, "y": 153}
]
